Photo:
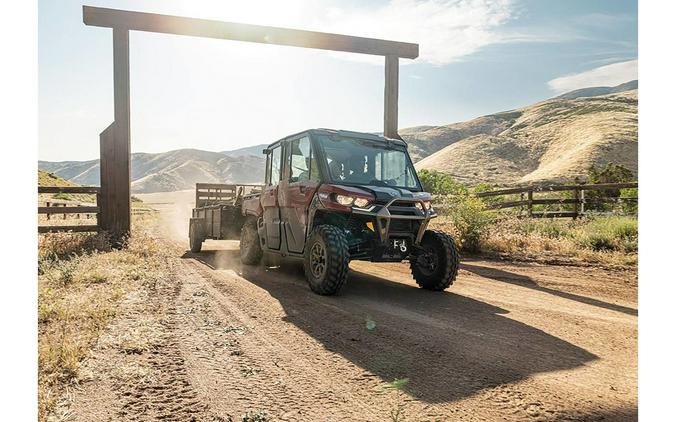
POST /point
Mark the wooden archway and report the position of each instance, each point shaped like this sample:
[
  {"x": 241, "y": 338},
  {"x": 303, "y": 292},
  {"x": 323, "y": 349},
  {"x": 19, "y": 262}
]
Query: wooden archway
[{"x": 115, "y": 203}]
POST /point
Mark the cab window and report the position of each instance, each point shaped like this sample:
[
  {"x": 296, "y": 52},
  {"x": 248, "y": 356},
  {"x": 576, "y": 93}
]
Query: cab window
[
  {"x": 302, "y": 166},
  {"x": 274, "y": 166}
]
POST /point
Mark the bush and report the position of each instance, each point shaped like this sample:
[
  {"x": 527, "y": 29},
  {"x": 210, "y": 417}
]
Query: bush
[
  {"x": 629, "y": 207},
  {"x": 610, "y": 173},
  {"x": 608, "y": 234},
  {"x": 470, "y": 220},
  {"x": 438, "y": 183}
]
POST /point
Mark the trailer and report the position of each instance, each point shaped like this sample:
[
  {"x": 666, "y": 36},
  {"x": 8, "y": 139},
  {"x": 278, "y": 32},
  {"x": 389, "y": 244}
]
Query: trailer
[{"x": 218, "y": 211}]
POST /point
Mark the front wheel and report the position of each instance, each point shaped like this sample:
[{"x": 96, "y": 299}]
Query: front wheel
[
  {"x": 326, "y": 260},
  {"x": 435, "y": 268}
]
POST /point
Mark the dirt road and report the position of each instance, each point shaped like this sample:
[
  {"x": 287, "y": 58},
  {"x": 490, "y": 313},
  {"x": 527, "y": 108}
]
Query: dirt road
[{"x": 508, "y": 342}]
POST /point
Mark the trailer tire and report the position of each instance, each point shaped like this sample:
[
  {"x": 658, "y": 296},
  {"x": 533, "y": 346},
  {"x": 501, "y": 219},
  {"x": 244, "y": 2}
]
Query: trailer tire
[
  {"x": 437, "y": 268},
  {"x": 326, "y": 262},
  {"x": 196, "y": 233},
  {"x": 250, "y": 251}
]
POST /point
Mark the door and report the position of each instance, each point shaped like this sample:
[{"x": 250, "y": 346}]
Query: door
[
  {"x": 269, "y": 199},
  {"x": 296, "y": 191}
]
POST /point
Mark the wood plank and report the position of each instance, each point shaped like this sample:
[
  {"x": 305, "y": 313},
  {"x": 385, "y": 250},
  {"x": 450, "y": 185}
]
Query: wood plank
[
  {"x": 553, "y": 214},
  {"x": 503, "y": 192},
  {"x": 509, "y": 204},
  {"x": 82, "y": 228},
  {"x": 557, "y": 188},
  {"x": 167, "y": 24},
  {"x": 68, "y": 210},
  {"x": 391, "y": 97},
  {"x": 68, "y": 189},
  {"x": 599, "y": 186}
]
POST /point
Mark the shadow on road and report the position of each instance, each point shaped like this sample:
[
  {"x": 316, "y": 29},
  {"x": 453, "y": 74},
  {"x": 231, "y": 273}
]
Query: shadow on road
[
  {"x": 446, "y": 345},
  {"x": 525, "y": 281}
]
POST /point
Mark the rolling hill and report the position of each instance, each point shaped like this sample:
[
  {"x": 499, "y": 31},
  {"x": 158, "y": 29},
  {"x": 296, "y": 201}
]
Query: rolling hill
[
  {"x": 169, "y": 171},
  {"x": 552, "y": 141}
]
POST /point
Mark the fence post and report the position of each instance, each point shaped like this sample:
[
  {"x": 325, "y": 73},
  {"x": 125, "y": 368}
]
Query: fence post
[{"x": 530, "y": 194}]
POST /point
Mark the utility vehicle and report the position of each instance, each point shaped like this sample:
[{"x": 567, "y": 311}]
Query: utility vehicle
[{"x": 331, "y": 196}]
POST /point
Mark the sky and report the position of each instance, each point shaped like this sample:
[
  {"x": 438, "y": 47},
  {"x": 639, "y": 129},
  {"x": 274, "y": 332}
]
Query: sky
[{"x": 476, "y": 57}]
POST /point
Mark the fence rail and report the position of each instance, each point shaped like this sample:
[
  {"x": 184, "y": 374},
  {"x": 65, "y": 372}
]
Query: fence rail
[
  {"x": 55, "y": 206},
  {"x": 579, "y": 201}
]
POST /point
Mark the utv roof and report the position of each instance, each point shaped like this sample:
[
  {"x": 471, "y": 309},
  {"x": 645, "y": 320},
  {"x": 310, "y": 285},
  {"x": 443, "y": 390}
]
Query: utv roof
[{"x": 344, "y": 134}]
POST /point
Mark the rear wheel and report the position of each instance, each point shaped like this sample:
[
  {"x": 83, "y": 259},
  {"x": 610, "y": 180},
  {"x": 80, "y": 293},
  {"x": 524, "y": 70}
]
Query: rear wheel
[
  {"x": 326, "y": 260},
  {"x": 196, "y": 233},
  {"x": 436, "y": 267},
  {"x": 249, "y": 244}
]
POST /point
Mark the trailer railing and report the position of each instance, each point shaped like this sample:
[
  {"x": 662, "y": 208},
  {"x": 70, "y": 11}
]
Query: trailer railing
[{"x": 219, "y": 193}]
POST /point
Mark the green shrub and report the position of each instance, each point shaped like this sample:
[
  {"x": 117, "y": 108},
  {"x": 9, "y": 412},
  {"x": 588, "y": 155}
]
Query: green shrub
[
  {"x": 438, "y": 183},
  {"x": 470, "y": 219},
  {"x": 629, "y": 207},
  {"x": 610, "y": 173},
  {"x": 608, "y": 233}
]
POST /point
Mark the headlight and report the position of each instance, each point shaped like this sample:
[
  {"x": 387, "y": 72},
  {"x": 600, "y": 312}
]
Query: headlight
[
  {"x": 361, "y": 202},
  {"x": 344, "y": 200},
  {"x": 421, "y": 207}
]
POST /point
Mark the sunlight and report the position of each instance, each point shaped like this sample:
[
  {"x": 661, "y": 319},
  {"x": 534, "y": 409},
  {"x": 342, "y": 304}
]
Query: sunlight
[{"x": 272, "y": 13}]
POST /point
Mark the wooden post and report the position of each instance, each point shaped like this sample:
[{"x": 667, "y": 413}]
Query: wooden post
[
  {"x": 391, "y": 97},
  {"x": 115, "y": 148},
  {"x": 582, "y": 202},
  {"x": 530, "y": 195}
]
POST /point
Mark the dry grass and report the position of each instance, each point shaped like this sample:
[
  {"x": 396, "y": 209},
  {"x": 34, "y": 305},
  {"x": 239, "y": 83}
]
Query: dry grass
[
  {"x": 81, "y": 280},
  {"x": 608, "y": 241}
]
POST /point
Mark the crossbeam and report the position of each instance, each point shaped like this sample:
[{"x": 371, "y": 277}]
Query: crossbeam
[{"x": 206, "y": 28}]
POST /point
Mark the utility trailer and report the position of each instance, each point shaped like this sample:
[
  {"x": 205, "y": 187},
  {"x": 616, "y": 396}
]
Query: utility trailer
[{"x": 218, "y": 212}]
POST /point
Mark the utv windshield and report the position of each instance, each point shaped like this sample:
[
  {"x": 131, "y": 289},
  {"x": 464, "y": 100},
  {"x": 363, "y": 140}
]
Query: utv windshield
[{"x": 365, "y": 162}]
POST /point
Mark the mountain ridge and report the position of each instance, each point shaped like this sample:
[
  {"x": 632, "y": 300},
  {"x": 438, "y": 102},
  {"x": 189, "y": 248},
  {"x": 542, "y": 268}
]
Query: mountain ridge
[{"x": 551, "y": 140}]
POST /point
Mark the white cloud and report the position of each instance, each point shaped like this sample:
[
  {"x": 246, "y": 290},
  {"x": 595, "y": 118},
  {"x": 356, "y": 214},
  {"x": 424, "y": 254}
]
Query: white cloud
[
  {"x": 446, "y": 30},
  {"x": 608, "y": 75}
]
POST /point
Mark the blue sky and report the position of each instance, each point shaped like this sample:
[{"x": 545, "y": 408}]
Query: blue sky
[{"x": 476, "y": 57}]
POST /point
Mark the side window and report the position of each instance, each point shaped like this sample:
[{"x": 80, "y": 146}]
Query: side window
[
  {"x": 302, "y": 166},
  {"x": 275, "y": 166}
]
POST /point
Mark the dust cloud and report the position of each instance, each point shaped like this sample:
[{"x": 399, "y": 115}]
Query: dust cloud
[{"x": 175, "y": 210}]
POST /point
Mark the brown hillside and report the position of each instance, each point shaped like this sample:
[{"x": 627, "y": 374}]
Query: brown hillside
[{"x": 554, "y": 140}]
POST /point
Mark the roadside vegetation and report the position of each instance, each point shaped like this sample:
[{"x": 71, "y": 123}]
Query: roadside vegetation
[
  {"x": 607, "y": 236},
  {"x": 81, "y": 281}
]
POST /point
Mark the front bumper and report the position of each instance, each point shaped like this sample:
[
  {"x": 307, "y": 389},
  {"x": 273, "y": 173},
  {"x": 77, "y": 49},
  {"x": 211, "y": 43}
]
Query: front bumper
[{"x": 398, "y": 209}]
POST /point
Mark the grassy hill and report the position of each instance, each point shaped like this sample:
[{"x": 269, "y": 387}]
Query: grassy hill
[
  {"x": 49, "y": 179},
  {"x": 551, "y": 141}
]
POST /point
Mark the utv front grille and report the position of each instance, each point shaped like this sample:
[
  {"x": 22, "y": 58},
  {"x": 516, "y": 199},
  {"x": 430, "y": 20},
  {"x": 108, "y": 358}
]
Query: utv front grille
[{"x": 400, "y": 226}]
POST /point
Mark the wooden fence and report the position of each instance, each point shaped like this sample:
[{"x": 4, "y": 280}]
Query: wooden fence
[
  {"x": 578, "y": 199},
  {"x": 60, "y": 207}
]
